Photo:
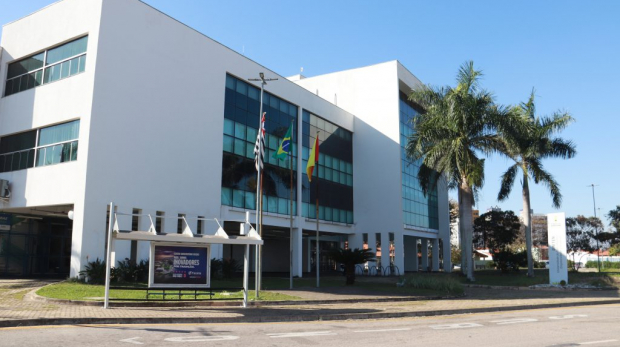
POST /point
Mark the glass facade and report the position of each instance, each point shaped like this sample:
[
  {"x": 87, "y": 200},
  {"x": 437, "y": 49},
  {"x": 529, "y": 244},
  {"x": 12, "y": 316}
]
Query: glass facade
[
  {"x": 333, "y": 174},
  {"x": 418, "y": 210},
  {"x": 56, "y": 144},
  {"x": 241, "y": 117},
  {"x": 51, "y": 65}
]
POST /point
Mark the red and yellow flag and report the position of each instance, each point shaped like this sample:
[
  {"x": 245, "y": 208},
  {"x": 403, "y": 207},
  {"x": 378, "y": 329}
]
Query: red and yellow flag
[{"x": 313, "y": 159}]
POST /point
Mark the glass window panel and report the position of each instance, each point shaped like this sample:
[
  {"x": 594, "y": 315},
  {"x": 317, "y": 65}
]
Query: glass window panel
[
  {"x": 273, "y": 142},
  {"x": 250, "y": 200},
  {"x": 343, "y": 178},
  {"x": 238, "y": 198},
  {"x": 18, "y": 142},
  {"x": 328, "y": 174},
  {"x": 253, "y": 93},
  {"x": 65, "y": 153},
  {"x": 57, "y": 154},
  {"x": 283, "y": 205},
  {"x": 230, "y": 82},
  {"x": 38, "y": 77},
  {"x": 320, "y": 123},
  {"x": 229, "y": 127},
  {"x": 82, "y": 63},
  {"x": 75, "y": 65},
  {"x": 292, "y": 110},
  {"x": 249, "y": 150},
  {"x": 59, "y": 133},
  {"x": 274, "y": 102},
  {"x": 25, "y": 65},
  {"x": 349, "y": 217},
  {"x": 23, "y": 84},
  {"x": 349, "y": 180},
  {"x": 15, "y": 162},
  {"x": 251, "y": 134},
  {"x": 272, "y": 204},
  {"x": 239, "y": 131},
  {"x": 311, "y": 211},
  {"x": 64, "y": 69},
  {"x": 239, "y": 147},
  {"x": 228, "y": 143},
  {"x": 8, "y": 88},
  {"x": 242, "y": 88},
  {"x": 41, "y": 157},
  {"x": 67, "y": 50},
  {"x": 23, "y": 160},
  {"x": 226, "y": 196},
  {"x": 322, "y": 159},
  {"x": 343, "y": 166},
  {"x": 74, "y": 150},
  {"x": 328, "y": 161},
  {"x": 328, "y": 214},
  {"x": 2, "y": 159},
  {"x": 343, "y": 216},
  {"x": 321, "y": 170}
]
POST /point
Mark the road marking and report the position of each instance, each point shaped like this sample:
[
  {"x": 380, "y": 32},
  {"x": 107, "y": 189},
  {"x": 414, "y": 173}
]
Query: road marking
[
  {"x": 569, "y": 316},
  {"x": 131, "y": 340},
  {"x": 455, "y": 326},
  {"x": 301, "y": 334},
  {"x": 201, "y": 338},
  {"x": 595, "y": 342},
  {"x": 514, "y": 321},
  {"x": 379, "y": 330}
]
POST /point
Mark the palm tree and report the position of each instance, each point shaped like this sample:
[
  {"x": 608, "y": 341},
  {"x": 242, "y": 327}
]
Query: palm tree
[
  {"x": 527, "y": 143},
  {"x": 456, "y": 126},
  {"x": 349, "y": 258}
]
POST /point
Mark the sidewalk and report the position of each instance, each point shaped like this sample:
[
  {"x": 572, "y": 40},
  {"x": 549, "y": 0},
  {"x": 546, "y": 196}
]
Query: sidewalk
[{"x": 18, "y": 308}]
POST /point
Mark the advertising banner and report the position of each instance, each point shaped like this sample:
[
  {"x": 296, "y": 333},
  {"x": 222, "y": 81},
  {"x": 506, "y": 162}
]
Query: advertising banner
[
  {"x": 556, "y": 226},
  {"x": 179, "y": 266}
]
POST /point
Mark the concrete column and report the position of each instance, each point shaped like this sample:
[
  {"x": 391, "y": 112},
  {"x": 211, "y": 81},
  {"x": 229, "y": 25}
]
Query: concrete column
[
  {"x": 356, "y": 241},
  {"x": 308, "y": 255},
  {"x": 435, "y": 255},
  {"x": 297, "y": 252},
  {"x": 424, "y": 244},
  {"x": 411, "y": 253}
]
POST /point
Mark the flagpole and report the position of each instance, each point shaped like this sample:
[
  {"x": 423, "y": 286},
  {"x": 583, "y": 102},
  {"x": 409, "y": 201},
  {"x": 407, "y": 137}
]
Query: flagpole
[
  {"x": 318, "y": 257},
  {"x": 259, "y": 186},
  {"x": 290, "y": 164}
]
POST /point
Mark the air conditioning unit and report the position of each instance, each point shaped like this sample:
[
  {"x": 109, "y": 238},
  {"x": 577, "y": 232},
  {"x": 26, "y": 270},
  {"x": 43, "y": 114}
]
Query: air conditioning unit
[{"x": 5, "y": 193}]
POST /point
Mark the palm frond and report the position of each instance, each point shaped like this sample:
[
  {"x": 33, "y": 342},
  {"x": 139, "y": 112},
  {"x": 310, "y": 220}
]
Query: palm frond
[{"x": 508, "y": 179}]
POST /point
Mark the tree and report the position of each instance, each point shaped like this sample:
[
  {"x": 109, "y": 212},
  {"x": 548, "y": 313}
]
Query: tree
[
  {"x": 497, "y": 231},
  {"x": 612, "y": 237},
  {"x": 455, "y": 126},
  {"x": 614, "y": 249},
  {"x": 349, "y": 258},
  {"x": 580, "y": 232},
  {"x": 528, "y": 140}
]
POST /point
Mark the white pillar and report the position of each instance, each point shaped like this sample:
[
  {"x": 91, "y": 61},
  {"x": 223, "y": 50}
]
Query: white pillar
[
  {"x": 424, "y": 244},
  {"x": 297, "y": 252},
  {"x": 246, "y": 255},
  {"x": 435, "y": 253}
]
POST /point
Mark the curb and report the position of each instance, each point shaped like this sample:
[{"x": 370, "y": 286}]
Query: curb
[
  {"x": 550, "y": 289},
  {"x": 292, "y": 318}
]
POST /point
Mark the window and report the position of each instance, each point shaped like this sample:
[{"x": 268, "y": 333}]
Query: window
[
  {"x": 56, "y": 144},
  {"x": 51, "y": 65},
  {"x": 180, "y": 223},
  {"x": 159, "y": 221},
  {"x": 199, "y": 225}
]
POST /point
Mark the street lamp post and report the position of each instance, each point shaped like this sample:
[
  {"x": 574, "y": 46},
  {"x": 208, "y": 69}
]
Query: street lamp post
[{"x": 598, "y": 251}]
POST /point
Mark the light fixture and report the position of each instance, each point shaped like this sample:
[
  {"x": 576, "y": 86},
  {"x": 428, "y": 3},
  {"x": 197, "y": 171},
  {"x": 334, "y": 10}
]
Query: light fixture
[{"x": 70, "y": 214}]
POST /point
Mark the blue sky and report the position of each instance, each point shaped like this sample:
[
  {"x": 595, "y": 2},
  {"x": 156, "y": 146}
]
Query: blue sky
[{"x": 568, "y": 50}]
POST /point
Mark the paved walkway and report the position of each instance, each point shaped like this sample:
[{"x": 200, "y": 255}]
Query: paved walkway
[{"x": 17, "y": 306}]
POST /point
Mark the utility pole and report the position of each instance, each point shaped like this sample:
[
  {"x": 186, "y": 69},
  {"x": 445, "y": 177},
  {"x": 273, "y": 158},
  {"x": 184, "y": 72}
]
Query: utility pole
[{"x": 598, "y": 251}]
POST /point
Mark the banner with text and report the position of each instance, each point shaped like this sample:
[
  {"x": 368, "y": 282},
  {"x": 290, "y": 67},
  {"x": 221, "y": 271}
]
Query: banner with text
[{"x": 180, "y": 266}]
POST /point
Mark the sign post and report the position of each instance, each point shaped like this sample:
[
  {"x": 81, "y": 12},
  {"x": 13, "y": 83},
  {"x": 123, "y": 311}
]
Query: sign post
[{"x": 558, "y": 270}]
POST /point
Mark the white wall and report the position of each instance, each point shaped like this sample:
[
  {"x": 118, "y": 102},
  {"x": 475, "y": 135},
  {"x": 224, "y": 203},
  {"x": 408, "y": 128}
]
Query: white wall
[
  {"x": 52, "y": 103},
  {"x": 158, "y": 112}
]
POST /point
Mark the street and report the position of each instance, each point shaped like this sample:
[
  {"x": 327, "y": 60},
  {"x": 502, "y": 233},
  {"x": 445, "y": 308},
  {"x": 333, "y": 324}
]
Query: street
[{"x": 575, "y": 326}]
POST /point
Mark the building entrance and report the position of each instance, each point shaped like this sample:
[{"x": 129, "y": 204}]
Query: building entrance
[{"x": 34, "y": 246}]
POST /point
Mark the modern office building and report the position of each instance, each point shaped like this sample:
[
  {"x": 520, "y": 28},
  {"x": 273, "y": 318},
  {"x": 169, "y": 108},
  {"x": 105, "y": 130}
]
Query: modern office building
[{"x": 113, "y": 100}]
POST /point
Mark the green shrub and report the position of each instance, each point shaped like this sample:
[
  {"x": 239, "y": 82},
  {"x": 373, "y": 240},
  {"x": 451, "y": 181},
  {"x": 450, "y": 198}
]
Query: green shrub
[
  {"x": 439, "y": 283},
  {"x": 604, "y": 264},
  {"x": 507, "y": 260},
  {"x": 94, "y": 271},
  {"x": 127, "y": 271}
]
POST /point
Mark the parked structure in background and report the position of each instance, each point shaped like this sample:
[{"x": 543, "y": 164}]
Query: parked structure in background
[{"x": 124, "y": 103}]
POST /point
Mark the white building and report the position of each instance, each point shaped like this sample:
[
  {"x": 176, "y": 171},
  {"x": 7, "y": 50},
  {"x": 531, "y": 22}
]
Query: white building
[{"x": 112, "y": 100}]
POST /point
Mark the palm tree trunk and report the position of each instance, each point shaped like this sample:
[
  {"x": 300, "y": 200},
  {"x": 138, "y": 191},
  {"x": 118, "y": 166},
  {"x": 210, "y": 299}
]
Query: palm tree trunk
[
  {"x": 466, "y": 199},
  {"x": 527, "y": 220}
]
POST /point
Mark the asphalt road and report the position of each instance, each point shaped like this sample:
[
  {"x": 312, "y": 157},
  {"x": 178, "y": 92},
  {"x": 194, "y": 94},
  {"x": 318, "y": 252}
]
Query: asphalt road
[{"x": 575, "y": 326}]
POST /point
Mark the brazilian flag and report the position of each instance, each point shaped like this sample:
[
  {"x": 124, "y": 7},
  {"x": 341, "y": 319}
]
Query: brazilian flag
[{"x": 285, "y": 145}]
